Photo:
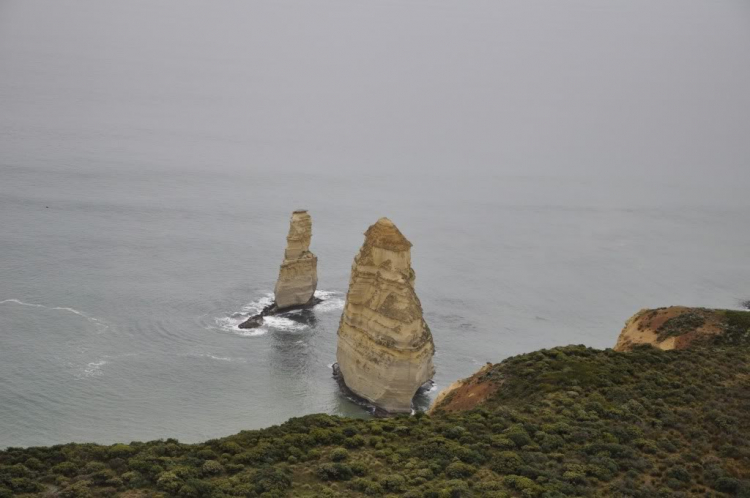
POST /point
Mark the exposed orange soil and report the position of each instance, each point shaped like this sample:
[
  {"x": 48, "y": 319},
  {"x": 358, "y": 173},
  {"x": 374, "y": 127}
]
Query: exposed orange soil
[
  {"x": 643, "y": 328},
  {"x": 467, "y": 393}
]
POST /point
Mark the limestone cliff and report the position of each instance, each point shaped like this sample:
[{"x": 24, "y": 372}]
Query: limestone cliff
[
  {"x": 679, "y": 327},
  {"x": 385, "y": 348},
  {"x": 298, "y": 275}
]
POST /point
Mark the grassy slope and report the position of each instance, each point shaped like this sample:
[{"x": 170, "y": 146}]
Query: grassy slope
[{"x": 569, "y": 421}]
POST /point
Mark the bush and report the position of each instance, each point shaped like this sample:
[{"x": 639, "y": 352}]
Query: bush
[
  {"x": 522, "y": 484},
  {"x": 79, "y": 489},
  {"x": 270, "y": 479},
  {"x": 339, "y": 455},
  {"x": 366, "y": 486},
  {"x": 68, "y": 469},
  {"x": 394, "y": 483},
  {"x": 169, "y": 482},
  {"x": 507, "y": 462},
  {"x": 211, "y": 468},
  {"x": 354, "y": 442},
  {"x": 120, "y": 451},
  {"x": 459, "y": 470},
  {"x": 334, "y": 472}
]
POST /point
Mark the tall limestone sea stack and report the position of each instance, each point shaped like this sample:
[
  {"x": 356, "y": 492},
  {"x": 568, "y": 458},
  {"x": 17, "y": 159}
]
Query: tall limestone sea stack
[
  {"x": 298, "y": 275},
  {"x": 385, "y": 348}
]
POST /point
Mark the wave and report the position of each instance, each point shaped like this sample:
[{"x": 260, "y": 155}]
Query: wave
[
  {"x": 100, "y": 325},
  {"x": 332, "y": 301},
  {"x": 210, "y": 356}
]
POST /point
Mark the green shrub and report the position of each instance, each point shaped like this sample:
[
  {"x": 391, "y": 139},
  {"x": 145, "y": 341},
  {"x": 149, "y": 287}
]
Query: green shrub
[
  {"x": 80, "y": 489},
  {"x": 339, "y": 455},
  {"x": 269, "y": 479},
  {"x": 523, "y": 484},
  {"x": 212, "y": 467},
  {"x": 19, "y": 470},
  {"x": 169, "y": 482},
  {"x": 68, "y": 469},
  {"x": 334, "y": 472},
  {"x": 459, "y": 470},
  {"x": 394, "y": 483},
  {"x": 120, "y": 451},
  {"x": 366, "y": 486},
  {"x": 354, "y": 442}
]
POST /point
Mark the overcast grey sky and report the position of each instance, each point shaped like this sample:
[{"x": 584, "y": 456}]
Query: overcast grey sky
[{"x": 517, "y": 87}]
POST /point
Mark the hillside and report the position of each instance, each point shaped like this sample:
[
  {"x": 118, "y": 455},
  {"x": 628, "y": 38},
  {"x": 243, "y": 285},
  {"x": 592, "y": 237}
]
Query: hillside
[
  {"x": 570, "y": 421},
  {"x": 679, "y": 327}
]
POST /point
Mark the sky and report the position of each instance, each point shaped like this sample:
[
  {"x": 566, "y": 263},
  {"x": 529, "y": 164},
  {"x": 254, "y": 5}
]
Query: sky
[{"x": 518, "y": 87}]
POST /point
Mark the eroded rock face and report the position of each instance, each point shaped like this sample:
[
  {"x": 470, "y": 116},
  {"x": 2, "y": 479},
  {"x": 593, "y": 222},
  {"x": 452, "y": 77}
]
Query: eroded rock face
[
  {"x": 298, "y": 275},
  {"x": 385, "y": 348},
  {"x": 675, "y": 327},
  {"x": 468, "y": 393}
]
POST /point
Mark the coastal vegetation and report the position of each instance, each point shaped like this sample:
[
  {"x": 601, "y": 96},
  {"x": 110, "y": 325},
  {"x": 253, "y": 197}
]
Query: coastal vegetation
[{"x": 568, "y": 421}]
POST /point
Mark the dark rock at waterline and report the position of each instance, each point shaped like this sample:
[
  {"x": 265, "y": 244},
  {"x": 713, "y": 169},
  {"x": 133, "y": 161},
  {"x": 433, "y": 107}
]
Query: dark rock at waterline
[
  {"x": 355, "y": 398},
  {"x": 359, "y": 400},
  {"x": 252, "y": 322},
  {"x": 256, "y": 321},
  {"x": 303, "y": 317}
]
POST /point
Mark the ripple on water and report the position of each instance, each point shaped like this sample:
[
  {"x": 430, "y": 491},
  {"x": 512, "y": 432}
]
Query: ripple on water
[{"x": 100, "y": 325}]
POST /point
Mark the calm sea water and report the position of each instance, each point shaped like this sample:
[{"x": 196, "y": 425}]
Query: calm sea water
[{"x": 152, "y": 153}]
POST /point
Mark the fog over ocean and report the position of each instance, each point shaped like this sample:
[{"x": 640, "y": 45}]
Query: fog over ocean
[{"x": 557, "y": 165}]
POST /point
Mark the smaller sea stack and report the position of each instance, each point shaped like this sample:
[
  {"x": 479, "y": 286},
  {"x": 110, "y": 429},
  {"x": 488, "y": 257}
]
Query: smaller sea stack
[
  {"x": 298, "y": 274},
  {"x": 385, "y": 348}
]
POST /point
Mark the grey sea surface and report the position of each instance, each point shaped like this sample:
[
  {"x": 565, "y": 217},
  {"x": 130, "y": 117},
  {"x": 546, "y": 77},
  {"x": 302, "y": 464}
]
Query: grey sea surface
[{"x": 557, "y": 165}]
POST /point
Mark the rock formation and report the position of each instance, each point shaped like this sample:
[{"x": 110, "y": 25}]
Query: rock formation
[
  {"x": 385, "y": 348},
  {"x": 679, "y": 327},
  {"x": 298, "y": 275}
]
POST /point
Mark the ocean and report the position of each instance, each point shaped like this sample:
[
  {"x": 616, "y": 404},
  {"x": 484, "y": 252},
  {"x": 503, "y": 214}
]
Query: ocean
[{"x": 151, "y": 154}]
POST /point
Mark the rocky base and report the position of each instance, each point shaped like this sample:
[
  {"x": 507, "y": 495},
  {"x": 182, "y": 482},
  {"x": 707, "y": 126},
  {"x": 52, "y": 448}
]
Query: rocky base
[
  {"x": 256, "y": 321},
  {"x": 375, "y": 410}
]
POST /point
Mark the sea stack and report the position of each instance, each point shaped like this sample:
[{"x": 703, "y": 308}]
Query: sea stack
[
  {"x": 385, "y": 347},
  {"x": 298, "y": 275}
]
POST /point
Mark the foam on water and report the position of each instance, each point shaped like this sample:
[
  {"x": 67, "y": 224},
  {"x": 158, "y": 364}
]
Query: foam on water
[
  {"x": 284, "y": 324},
  {"x": 91, "y": 370},
  {"x": 332, "y": 301},
  {"x": 100, "y": 325},
  {"x": 231, "y": 323}
]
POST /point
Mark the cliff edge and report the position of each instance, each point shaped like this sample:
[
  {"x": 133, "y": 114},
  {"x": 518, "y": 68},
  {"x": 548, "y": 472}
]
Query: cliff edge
[{"x": 679, "y": 327}]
